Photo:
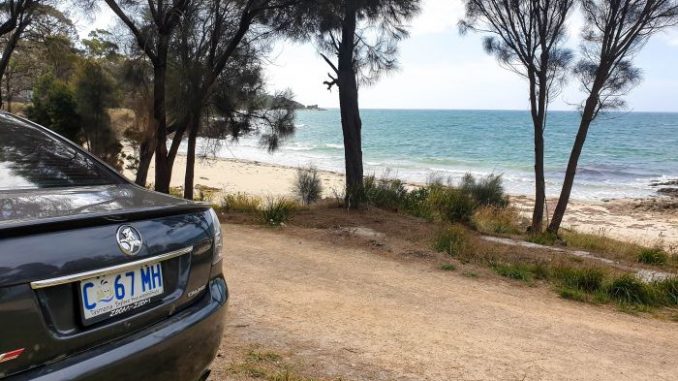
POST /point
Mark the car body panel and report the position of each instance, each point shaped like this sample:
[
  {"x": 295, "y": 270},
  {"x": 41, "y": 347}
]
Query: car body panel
[
  {"x": 179, "y": 348},
  {"x": 52, "y": 237}
]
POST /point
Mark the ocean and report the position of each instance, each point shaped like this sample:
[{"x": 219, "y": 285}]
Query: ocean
[{"x": 624, "y": 153}]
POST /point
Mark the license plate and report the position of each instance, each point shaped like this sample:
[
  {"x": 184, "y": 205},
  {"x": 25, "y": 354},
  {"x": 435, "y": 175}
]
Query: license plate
[{"x": 113, "y": 294}]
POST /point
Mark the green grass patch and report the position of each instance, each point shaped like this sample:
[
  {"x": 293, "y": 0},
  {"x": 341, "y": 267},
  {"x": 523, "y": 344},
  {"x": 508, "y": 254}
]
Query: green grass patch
[
  {"x": 628, "y": 289},
  {"x": 518, "y": 271},
  {"x": 448, "y": 267},
  {"x": 667, "y": 290},
  {"x": 653, "y": 256},
  {"x": 598, "y": 297},
  {"x": 585, "y": 279}
]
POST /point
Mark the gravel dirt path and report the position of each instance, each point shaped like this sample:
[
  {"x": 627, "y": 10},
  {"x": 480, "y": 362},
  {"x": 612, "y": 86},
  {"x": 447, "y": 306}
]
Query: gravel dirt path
[{"x": 344, "y": 312}]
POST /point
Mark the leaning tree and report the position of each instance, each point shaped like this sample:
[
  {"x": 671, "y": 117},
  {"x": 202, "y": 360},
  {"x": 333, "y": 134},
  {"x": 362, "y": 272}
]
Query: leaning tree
[
  {"x": 358, "y": 40},
  {"x": 614, "y": 32},
  {"x": 527, "y": 36}
]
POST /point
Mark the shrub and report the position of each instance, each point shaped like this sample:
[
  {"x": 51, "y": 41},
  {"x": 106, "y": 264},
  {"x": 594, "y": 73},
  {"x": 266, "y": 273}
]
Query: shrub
[
  {"x": 668, "y": 289},
  {"x": 450, "y": 204},
  {"x": 240, "y": 202},
  {"x": 486, "y": 191},
  {"x": 630, "y": 290},
  {"x": 453, "y": 241},
  {"x": 278, "y": 211},
  {"x": 384, "y": 193},
  {"x": 496, "y": 220},
  {"x": 308, "y": 186},
  {"x": 585, "y": 279},
  {"x": 653, "y": 256}
]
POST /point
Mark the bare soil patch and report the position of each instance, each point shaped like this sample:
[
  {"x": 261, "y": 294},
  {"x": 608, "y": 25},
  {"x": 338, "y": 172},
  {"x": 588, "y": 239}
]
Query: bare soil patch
[{"x": 332, "y": 307}]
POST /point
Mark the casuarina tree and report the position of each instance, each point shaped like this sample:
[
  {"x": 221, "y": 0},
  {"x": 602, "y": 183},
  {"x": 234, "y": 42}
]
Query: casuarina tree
[
  {"x": 614, "y": 32},
  {"x": 223, "y": 38},
  {"x": 526, "y": 36},
  {"x": 358, "y": 40},
  {"x": 152, "y": 24}
]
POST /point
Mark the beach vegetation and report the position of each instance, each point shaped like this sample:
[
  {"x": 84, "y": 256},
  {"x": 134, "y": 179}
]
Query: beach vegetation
[
  {"x": 653, "y": 256},
  {"x": 446, "y": 203},
  {"x": 453, "y": 241},
  {"x": 496, "y": 220},
  {"x": 451, "y": 204},
  {"x": 278, "y": 211},
  {"x": 543, "y": 238},
  {"x": 241, "y": 202},
  {"x": 586, "y": 279},
  {"x": 536, "y": 53},
  {"x": 668, "y": 289},
  {"x": 486, "y": 191},
  {"x": 628, "y": 289},
  {"x": 518, "y": 271},
  {"x": 308, "y": 185},
  {"x": 613, "y": 34}
]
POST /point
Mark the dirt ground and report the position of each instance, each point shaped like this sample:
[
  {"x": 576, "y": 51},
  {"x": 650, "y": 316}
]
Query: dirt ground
[{"x": 340, "y": 311}]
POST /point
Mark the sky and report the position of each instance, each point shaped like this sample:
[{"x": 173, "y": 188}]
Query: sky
[{"x": 439, "y": 69}]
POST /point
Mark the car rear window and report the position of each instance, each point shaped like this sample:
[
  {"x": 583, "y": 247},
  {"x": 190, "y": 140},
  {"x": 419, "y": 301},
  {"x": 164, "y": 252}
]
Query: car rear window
[{"x": 30, "y": 158}]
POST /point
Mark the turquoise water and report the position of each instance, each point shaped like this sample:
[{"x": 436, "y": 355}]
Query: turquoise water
[{"x": 623, "y": 154}]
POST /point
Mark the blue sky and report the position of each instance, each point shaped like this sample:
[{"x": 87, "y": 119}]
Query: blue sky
[{"x": 442, "y": 70}]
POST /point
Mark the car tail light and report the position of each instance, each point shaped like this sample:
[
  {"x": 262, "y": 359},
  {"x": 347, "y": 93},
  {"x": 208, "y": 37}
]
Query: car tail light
[{"x": 218, "y": 238}]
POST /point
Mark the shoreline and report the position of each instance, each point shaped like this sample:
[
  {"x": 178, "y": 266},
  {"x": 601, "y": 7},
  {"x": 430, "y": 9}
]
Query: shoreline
[{"x": 623, "y": 218}]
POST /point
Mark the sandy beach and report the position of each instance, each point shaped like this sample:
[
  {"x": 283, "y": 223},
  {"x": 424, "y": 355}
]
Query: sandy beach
[{"x": 620, "y": 219}]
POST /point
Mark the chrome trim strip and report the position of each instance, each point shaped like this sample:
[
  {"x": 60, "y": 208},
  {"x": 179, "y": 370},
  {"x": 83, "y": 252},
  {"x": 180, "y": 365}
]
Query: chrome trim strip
[{"x": 118, "y": 268}]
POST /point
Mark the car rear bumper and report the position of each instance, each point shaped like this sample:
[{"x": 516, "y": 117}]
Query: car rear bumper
[{"x": 180, "y": 348}]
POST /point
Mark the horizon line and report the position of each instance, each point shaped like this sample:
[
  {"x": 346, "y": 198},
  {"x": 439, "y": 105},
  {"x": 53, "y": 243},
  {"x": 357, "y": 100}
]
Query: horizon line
[{"x": 490, "y": 109}]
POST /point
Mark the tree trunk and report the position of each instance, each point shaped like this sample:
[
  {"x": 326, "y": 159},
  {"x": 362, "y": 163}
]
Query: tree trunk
[
  {"x": 586, "y": 119},
  {"x": 540, "y": 182},
  {"x": 8, "y": 95},
  {"x": 538, "y": 112},
  {"x": 146, "y": 149},
  {"x": 9, "y": 49},
  {"x": 190, "y": 159},
  {"x": 163, "y": 173},
  {"x": 350, "y": 112}
]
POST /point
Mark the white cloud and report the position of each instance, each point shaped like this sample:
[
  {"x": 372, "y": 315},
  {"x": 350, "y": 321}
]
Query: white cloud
[
  {"x": 438, "y": 16},
  {"x": 670, "y": 36}
]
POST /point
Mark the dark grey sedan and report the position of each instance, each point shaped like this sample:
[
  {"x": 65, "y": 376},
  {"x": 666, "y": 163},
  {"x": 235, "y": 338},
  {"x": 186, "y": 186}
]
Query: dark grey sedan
[{"x": 100, "y": 279}]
